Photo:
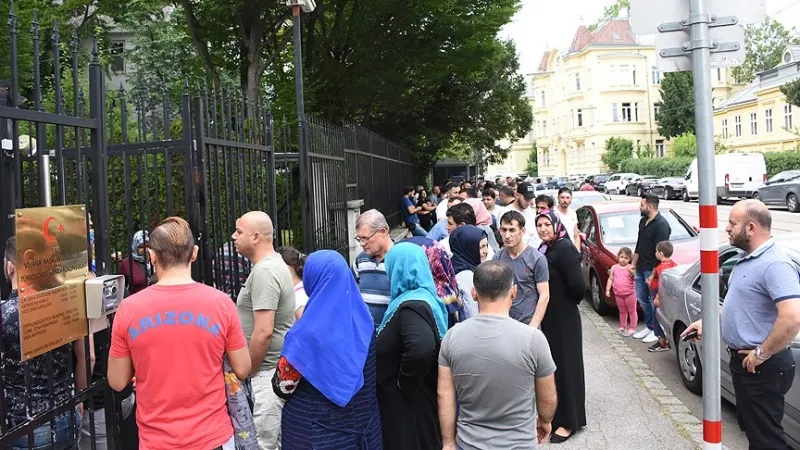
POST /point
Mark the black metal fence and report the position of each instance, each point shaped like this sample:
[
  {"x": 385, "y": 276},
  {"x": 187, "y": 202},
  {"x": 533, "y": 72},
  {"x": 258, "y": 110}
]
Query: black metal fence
[
  {"x": 377, "y": 171},
  {"x": 138, "y": 156}
]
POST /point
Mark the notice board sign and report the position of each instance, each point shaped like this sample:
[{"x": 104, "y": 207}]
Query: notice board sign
[{"x": 52, "y": 265}]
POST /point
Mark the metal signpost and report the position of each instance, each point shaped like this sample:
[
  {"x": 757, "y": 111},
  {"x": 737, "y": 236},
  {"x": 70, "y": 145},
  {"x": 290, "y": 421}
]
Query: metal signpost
[{"x": 697, "y": 35}]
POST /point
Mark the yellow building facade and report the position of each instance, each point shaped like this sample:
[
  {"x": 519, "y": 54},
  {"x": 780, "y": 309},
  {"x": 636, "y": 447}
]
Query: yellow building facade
[
  {"x": 758, "y": 118},
  {"x": 606, "y": 85}
]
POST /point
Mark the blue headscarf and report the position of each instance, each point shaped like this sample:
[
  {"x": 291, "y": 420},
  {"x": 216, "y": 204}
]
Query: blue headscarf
[
  {"x": 412, "y": 280},
  {"x": 330, "y": 342}
]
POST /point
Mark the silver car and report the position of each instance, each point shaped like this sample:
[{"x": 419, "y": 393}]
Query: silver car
[{"x": 681, "y": 305}]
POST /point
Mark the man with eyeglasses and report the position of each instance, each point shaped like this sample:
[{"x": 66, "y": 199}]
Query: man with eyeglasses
[{"x": 373, "y": 234}]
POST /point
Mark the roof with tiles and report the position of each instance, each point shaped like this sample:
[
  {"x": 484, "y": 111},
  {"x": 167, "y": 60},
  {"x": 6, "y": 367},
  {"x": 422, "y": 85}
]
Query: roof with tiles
[
  {"x": 614, "y": 32},
  {"x": 543, "y": 62}
]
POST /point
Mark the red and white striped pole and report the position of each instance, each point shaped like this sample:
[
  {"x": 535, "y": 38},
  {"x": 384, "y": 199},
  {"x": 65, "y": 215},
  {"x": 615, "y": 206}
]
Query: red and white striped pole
[{"x": 700, "y": 46}]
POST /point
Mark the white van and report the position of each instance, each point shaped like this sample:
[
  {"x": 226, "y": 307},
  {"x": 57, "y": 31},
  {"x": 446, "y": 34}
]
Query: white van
[{"x": 737, "y": 175}]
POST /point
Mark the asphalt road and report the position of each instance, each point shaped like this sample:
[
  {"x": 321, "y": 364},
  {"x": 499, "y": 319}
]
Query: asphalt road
[{"x": 665, "y": 365}]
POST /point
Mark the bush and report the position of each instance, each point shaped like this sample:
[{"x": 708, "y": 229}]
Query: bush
[
  {"x": 617, "y": 150},
  {"x": 780, "y": 161},
  {"x": 659, "y": 167}
]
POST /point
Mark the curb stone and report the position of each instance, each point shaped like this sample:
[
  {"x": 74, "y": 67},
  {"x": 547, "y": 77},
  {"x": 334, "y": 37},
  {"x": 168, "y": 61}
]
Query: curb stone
[{"x": 683, "y": 420}]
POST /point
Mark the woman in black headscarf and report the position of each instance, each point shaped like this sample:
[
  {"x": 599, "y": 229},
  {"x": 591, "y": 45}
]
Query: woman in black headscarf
[{"x": 562, "y": 324}]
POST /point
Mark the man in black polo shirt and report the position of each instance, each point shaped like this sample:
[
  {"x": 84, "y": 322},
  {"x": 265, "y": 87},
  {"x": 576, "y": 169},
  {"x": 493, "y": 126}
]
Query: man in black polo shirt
[{"x": 653, "y": 228}]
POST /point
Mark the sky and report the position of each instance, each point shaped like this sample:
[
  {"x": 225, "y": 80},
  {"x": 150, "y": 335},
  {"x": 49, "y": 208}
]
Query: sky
[{"x": 539, "y": 26}]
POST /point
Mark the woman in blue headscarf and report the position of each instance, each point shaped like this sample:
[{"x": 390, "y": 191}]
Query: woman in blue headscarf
[
  {"x": 408, "y": 346},
  {"x": 327, "y": 368}
]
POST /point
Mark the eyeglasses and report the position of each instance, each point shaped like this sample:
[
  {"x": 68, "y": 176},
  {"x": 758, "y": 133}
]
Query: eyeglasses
[{"x": 362, "y": 240}]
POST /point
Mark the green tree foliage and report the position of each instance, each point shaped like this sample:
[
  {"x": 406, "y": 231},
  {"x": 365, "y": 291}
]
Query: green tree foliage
[
  {"x": 617, "y": 150},
  {"x": 532, "y": 167},
  {"x": 765, "y": 44},
  {"x": 792, "y": 92},
  {"x": 676, "y": 113},
  {"x": 610, "y": 12},
  {"x": 428, "y": 75},
  {"x": 645, "y": 151},
  {"x": 684, "y": 145}
]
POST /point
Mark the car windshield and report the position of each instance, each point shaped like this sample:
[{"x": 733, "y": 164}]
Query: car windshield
[
  {"x": 623, "y": 227},
  {"x": 586, "y": 198},
  {"x": 786, "y": 176}
]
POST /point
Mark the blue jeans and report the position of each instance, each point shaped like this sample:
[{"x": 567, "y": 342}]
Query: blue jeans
[
  {"x": 656, "y": 326},
  {"x": 66, "y": 435},
  {"x": 644, "y": 298},
  {"x": 377, "y": 312},
  {"x": 417, "y": 230}
]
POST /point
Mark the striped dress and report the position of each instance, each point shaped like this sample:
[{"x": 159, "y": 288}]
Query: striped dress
[{"x": 311, "y": 421}]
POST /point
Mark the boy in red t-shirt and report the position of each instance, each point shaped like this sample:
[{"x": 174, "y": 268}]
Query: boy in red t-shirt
[
  {"x": 172, "y": 336},
  {"x": 663, "y": 254}
]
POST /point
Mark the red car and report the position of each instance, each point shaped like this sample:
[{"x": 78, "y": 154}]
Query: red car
[{"x": 608, "y": 227}]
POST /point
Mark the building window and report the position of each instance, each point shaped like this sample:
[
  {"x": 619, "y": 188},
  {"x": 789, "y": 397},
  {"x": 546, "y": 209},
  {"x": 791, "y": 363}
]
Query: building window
[
  {"x": 659, "y": 148},
  {"x": 725, "y": 128},
  {"x": 768, "y": 116},
  {"x": 544, "y": 103},
  {"x": 656, "y": 110},
  {"x": 753, "y": 124},
  {"x": 577, "y": 82},
  {"x": 719, "y": 74},
  {"x": 787, "y": 117},
  {"x": 633, "y": 75},
  {"x": 737, "y": 125},
  {"x": 656, "y": 75},
  {"x": 630, "y": 112},
  {"x": 579, "y": 115},
  {"x": 118, "y": 56},
  {"x": 624, "y": 73}
]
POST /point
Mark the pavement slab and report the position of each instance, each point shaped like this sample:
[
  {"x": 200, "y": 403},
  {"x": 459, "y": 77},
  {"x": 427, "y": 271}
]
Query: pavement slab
[{"x": 627, "y": 407}]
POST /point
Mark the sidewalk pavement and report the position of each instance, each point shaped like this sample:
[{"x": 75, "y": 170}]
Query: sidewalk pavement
[{"x": 627, "y": 407}]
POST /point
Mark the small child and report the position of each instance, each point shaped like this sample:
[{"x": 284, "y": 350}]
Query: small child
[
  {"x": 663, "y": 254},
  {"x": 621, "y": 280},
  {"x": 296, "y": 261}
]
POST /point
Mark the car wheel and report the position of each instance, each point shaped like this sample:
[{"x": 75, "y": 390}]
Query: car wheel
[
  {"x": 757, "y": 197},
  {"x": 640, "y": 192},
  {"x": 668, "y": 194},
  {"x": 792, "y": 204},
  {"x": 686, "y": 196},
  {"x": 598, "y": 298},
  {"x": 689, "y": 363}
]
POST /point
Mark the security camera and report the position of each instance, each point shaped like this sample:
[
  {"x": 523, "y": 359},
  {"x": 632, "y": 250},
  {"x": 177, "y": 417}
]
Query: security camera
[{"x": 306, "y": 5}]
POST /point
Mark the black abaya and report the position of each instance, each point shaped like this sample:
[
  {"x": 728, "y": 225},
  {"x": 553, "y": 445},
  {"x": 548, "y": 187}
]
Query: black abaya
[
  {"x": 562, "y": 327},
  {"x": 407, "y": 373}
]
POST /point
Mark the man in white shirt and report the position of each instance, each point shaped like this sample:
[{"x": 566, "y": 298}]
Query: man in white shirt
[
  {"x": 451, "y": 191},
  {"x": 523, "y": 204},
  {"x": 568, "y": 216}
]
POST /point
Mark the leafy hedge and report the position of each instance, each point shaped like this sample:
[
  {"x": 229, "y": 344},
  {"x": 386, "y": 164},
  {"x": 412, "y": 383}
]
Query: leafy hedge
[
  {"x": 676, "y": 166},
  {"x": 780, "y": 161},
  {"x": 658, "y": 167}
]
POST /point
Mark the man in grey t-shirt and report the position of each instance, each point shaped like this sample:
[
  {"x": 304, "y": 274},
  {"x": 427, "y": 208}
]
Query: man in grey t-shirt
[
  {"x": 530, "y": 270},
  {"x": 499, "y": 368}
]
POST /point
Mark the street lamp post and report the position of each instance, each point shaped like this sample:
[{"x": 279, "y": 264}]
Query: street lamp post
[{"x": 305, "y": 199}]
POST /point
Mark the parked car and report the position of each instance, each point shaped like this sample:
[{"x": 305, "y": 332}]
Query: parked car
[
  {"x": 608, "y": 227},
  {"x": 681, "y": 305},
  {"x": 599, "y": 181},
  {"x": 736, "y": 175},
  {"x": 668, "y": 188},
  {"x": 617, "y": 183},
  {"x": 782, "y": 189},
  {"x": 641, "y": 185}
]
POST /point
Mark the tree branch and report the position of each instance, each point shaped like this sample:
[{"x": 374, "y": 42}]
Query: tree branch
[{"x": 197, "y": 39}]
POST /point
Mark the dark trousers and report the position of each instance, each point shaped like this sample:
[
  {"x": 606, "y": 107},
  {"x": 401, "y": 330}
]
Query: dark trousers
[{"x": 760, "y": 398}]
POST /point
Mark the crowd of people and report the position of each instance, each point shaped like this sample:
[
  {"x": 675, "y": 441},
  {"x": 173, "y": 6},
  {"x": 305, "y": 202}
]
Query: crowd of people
[{"x": 465, "y": 336}]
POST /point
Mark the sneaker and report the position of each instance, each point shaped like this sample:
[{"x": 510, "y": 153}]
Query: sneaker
[
  {"x": 657, "y": 348},
  {"x": 620, "y": 330},
  {"x": 650, "y": 338},
  {"x": 629, "y": 333},
  {"x": 641, "y": 334}
]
